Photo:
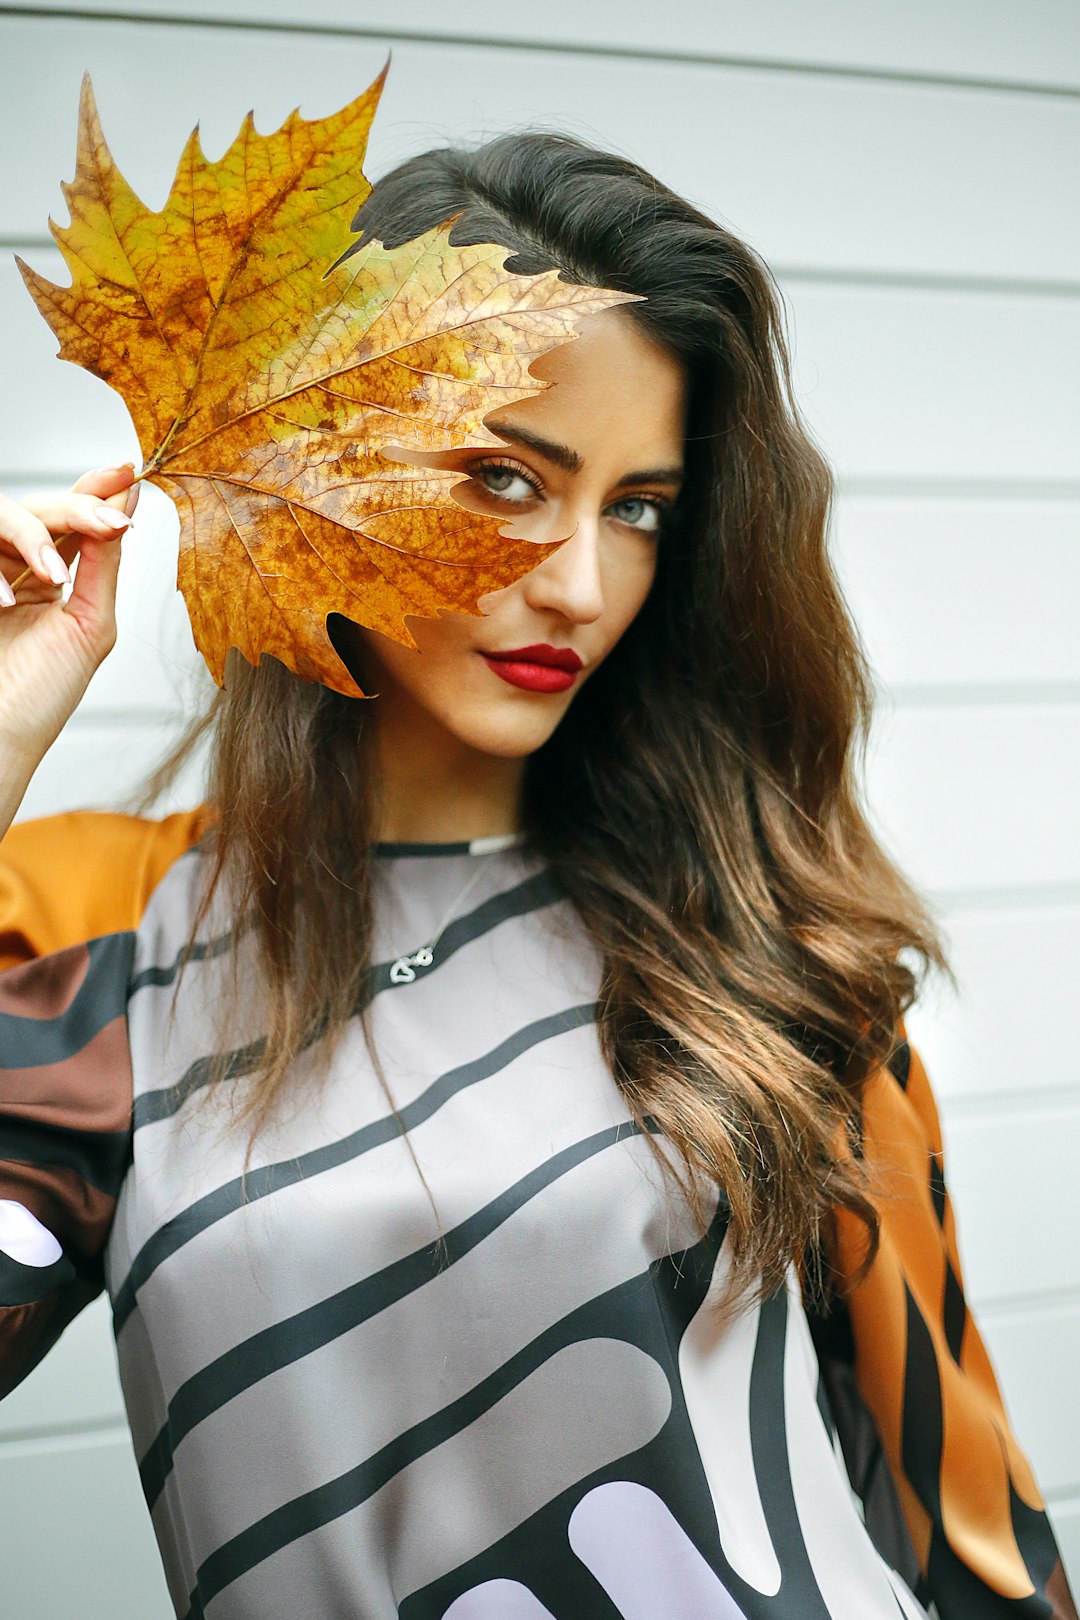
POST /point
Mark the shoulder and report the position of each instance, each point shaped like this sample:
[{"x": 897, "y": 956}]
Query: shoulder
[{"x": 77, "y": 876}]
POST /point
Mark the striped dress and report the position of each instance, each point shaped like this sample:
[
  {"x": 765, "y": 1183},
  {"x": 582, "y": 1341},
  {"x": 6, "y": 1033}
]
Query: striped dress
[{"x": 445, "y": 1346}]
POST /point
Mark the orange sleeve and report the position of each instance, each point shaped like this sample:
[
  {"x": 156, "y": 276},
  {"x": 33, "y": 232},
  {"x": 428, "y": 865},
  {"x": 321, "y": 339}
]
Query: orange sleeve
[
  {"x": 76, "y": 876},
  {"x": 973, "y": 1510}
]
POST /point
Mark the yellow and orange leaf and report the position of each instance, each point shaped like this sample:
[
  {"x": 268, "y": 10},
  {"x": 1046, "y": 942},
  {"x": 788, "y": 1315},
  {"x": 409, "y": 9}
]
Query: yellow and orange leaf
[{"x": 265, "y": 390}]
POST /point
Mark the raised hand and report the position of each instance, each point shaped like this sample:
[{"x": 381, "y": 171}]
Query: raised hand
[{"x": 49, "y": 647}]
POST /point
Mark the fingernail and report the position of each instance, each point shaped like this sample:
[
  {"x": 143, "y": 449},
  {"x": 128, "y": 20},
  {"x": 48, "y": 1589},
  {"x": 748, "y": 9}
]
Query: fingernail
[
  {"x": 55, "y": 566},
  {"x": 123, "y": 466},
  {"x": 7, "y": 595},
  {"x": 113, "y": 520}
]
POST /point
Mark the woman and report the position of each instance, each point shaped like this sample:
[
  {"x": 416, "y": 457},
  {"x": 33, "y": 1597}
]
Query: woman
[{"x": 520, "y": 1199}]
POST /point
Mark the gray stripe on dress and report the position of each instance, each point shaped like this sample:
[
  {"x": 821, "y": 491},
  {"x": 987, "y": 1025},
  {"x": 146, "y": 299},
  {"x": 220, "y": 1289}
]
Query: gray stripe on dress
[
  {"x": 604, "y": 1398},
  {"x": 422, "y": 1352},
  {"x": 531, "y": 895},
  {"x": 246, "y": 1189},
  {"x": 355, "y": 1218},
  {"x": 254, "y": 1358}
]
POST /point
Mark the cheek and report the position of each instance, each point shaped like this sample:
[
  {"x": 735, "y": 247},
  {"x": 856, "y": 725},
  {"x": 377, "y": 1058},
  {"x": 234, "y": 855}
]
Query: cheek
[
  {"x": 433, "y": 671},
  {"x": 378, "y": 662},
  {"x": 627, "y": 583}
]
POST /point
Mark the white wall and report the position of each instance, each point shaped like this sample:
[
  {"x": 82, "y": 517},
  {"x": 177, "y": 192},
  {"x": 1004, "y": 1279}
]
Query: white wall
[{"x": 910, "y": 171}]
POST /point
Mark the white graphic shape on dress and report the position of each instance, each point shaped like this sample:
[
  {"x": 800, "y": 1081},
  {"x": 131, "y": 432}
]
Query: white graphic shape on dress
[
  {"x": 23, "y": 1238},
  {"x": 498, "y": 1600},
  {"x": 716, "y": 1361},
  {"x": 648, "y": 1566}
]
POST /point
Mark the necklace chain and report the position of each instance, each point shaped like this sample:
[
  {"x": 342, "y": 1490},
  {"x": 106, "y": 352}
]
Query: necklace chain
[{"x": 403, "y": 968}]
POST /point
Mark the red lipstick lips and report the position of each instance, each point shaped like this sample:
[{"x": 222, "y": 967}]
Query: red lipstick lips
[{"x": 537, "y": 668}]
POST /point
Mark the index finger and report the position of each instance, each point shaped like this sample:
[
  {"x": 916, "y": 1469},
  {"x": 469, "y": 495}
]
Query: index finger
[
  {"x": 109, "y": 484},
  {"x": 105, "y": 481}
]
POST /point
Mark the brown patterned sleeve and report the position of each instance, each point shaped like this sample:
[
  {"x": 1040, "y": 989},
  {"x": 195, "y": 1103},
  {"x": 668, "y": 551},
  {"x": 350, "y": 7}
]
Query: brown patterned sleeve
[
  {"x": 917, "y": 1405},
  {"x": 65, "y": 1118}
]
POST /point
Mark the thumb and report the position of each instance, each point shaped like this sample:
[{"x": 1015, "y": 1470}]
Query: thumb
[{"x": 93, "y": 595}]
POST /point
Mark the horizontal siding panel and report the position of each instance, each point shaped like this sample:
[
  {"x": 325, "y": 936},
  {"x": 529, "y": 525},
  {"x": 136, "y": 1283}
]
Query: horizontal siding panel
[
  {"x": 1044, "y": 1411},
  {"x": 979, "y": 799},
  {"x": 94, "y": 765},
  {"x": 1012, "y": 1029},
  {"x": 904, "y": 383},
  {"x": 75, "y": 1386},
  {"x": 963, "y": 592},
  {"x": 1022, "y": 43},
  {"x": 894, "y": 384},
  {"x": 1012, "y": 1175},
  {"x": 75, "y": 1536},
  {"x": 893, "y": 178}
]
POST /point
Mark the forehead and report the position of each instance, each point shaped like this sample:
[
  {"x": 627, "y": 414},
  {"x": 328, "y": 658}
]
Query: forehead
[{"x": 614, "y": 392}]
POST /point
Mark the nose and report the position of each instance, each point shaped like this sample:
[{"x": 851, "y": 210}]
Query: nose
[{"x": 568, "y": 581}]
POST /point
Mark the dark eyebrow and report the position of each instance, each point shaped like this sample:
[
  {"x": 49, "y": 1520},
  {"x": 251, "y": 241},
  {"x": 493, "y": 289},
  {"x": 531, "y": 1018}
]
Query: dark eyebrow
[
  {"x": 651, "y": 475},
  {"x": 561, "y": 455}
]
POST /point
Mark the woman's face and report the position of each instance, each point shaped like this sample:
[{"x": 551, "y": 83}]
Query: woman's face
[{"x": 598, "y": 458}]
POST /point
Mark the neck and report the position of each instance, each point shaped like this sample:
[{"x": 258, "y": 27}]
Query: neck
[{"x": 433, "y": 788}]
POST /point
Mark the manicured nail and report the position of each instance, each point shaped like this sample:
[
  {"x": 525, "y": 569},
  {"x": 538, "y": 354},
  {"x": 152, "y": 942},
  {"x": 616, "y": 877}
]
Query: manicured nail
[
  {"x": 7, "y": 595},
  {"x": 55, "y": 566},
  {"x": 112, "y": 519}
]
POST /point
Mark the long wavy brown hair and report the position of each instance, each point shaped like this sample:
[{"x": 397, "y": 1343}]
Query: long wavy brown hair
[{"x": 699, "y": 802}]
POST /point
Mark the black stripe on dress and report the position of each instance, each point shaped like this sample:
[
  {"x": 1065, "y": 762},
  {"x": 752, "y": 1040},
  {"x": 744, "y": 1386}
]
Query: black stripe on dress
[
  {"x": 203, "y": 950},
  {"x": 100, "y": 1158},
  {"x": 938, "y": 1196},
  {"x": 922, "y": 1421},
  {"x": 38, "y": 1043},
  {"x": 772, "y": 1465},
  {"x": 899, "y": 1065},
  {"x": 25, "y": 1285},
  {"x": 954, "y": 1313}
]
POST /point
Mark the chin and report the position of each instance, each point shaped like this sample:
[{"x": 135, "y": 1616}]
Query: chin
[{"x": 508, "y": 737}]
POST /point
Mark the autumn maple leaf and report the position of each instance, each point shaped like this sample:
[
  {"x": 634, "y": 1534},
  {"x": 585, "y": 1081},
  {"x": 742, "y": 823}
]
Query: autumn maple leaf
[{"x": 265, "y": 387}]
